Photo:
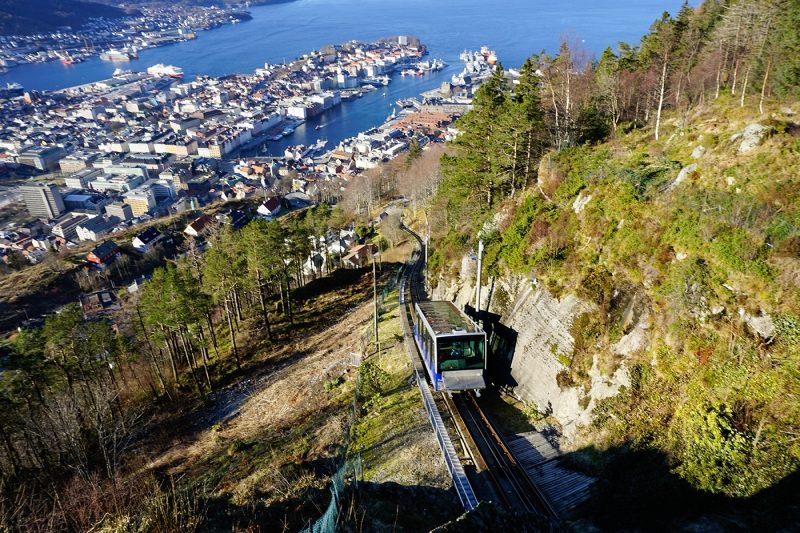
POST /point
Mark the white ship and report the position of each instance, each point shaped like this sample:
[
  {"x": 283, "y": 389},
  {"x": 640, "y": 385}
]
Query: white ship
[
  {"x": 161, "y": 70},
  {"x": 126, "y": 54}
]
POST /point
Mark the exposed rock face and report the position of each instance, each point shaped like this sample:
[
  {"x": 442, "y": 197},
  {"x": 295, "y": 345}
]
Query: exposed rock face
[
  {"x": 761, "y": 325},
  {"x": 698, "y": 152},
  {"x": 543, "y": 325},
  {"x": 752, "y": 136},
  {"x": 683, "y": 174},
  {"x": 635, "y": 340},
  {"x": 580, "y": 202}
]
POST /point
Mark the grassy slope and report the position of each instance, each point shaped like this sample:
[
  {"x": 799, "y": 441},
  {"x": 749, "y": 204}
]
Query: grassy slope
[
  {"x": 259, "y": 452},
  {"x": 406, "y": 486},
  {"x": 713, "y": 407}
]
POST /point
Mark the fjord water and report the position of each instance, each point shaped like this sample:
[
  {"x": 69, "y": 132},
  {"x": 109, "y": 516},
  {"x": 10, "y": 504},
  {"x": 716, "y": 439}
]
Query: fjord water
[{"x": 283, "y": 31}]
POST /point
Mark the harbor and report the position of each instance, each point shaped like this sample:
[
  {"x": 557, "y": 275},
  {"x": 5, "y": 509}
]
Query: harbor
[{"x": 162, "y": 143}]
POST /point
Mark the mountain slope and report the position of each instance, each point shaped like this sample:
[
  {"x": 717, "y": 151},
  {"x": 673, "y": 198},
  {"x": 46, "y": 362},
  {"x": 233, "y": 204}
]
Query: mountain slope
[{"x": 21, "y": 17}]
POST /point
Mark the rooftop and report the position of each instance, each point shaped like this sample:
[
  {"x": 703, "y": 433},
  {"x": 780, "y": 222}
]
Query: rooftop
[{"x": 444, "y": 317}]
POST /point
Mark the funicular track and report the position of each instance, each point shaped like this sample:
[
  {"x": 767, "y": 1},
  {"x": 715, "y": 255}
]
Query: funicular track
[{"x": 505, "y": 480}]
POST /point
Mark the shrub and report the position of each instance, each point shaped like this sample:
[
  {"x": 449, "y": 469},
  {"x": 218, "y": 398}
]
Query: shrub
[
  {"x": 564, "y": 380},
  {"x": 374, "y": 379},
  {"x": 333, "y": 383}
]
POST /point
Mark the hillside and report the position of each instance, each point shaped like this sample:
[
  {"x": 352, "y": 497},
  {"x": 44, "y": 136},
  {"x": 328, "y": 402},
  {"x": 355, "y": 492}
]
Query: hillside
[
  {"x": 673, "y": 268},
  {"x": 642, "y": 246},
  {"x": 20, "y": 17}
]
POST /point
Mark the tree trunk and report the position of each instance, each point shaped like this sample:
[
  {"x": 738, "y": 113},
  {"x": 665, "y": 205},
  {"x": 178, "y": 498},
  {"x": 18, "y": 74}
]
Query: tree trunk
[
  {"x": 238, "y": 306},
  {"x": 11, "y": 452},
  {"x": 190, "y": 362},
  {"x": 204, "y": 355},
  {"x": 555, "y": 111},
  {"x": 527, "y": 160},
  {"x": 514, "y": 168},
  {"x": 170, "y": 352},
  {"x": 764, "y": 87},
  {"x": 233, "y": 335},
  {"x": 263, "y": 303},
  {"x": 744, "y": 86},
  {"x": 212, "y": 332},
  {"x": 723, "y": 60},
  {"x": 661, "y": 94}
]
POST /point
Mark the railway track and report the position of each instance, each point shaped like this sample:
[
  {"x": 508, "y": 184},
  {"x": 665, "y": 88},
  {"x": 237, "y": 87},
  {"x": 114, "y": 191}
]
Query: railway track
[{"x": 487, "y": 450}]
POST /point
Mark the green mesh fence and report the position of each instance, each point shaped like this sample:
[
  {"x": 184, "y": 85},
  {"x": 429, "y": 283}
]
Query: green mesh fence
[{"x": 328, "y": 522}]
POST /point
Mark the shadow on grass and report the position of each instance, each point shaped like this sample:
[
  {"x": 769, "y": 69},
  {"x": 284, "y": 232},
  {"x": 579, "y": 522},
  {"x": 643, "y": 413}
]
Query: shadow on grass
[
  {"x": 393, "y": 507},
  {"x": 637, "y": 491}
]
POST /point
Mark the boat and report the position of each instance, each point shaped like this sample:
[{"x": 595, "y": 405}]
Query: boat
[
  {"x": 119, "y": 73},
  {"x": 407, "y": 103},
  {"x": 318, "y": 127},
  {"x": 439, "y": 64},
  {"x": 384, "y": 94},
  {"x": 296, "y": 152},
  {"x": 113, "y": 54},
  {"x": 67, "y": 59},
  {"x": 161, "y": 70}
]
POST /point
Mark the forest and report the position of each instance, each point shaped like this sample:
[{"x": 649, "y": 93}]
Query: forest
[{"x": 78, "y": 394}]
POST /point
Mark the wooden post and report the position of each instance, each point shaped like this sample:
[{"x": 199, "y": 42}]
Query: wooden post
[{"x": 375, "y": 304}]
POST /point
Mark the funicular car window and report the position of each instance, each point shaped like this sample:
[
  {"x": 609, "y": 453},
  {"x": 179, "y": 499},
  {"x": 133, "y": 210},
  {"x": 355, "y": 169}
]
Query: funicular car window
[{"x": 461, "y": 353}]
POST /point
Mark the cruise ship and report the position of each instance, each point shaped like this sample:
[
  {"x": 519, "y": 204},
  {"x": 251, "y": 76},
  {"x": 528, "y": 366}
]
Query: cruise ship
[
  {"x": 165, "y": 70},
  {"x": 477, "y": 65}
]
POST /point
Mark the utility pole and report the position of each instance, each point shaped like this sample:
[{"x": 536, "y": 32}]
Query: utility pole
[
  {"x": 375, "y": 304},
  {"x": 478, "y": 282},
  {"x": 427, "y": 241}
]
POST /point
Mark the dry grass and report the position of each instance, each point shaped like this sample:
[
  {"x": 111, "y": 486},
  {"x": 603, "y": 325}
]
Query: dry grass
[{"x": 262, "y": 429}]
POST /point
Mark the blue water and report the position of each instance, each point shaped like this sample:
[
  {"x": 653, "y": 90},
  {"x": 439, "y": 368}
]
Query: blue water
[{"x": 514, "y": 28}]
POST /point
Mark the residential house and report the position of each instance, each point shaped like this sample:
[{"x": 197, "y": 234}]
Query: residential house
[
  {"x": 146, "y": 240},
  {"x": 270, "y": 208},
  {"x": 360, "y": 256},
  {"x": 98, "y": 303},
  {"x": 236, "y": 218},
  {"x": 94, "y": 228},
  {"x": 198, "y": 226},
  {"x": 103, "y": 254},
  {"x": 66, "y": 228}
]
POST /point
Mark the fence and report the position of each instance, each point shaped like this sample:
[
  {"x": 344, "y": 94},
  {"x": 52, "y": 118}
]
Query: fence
[{"x": 350, "y": 467}]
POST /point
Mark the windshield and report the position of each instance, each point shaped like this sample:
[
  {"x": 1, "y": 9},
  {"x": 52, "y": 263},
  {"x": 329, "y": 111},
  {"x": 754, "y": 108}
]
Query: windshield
[{"x": 461, "y": 353}]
